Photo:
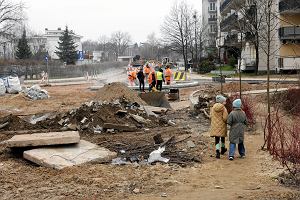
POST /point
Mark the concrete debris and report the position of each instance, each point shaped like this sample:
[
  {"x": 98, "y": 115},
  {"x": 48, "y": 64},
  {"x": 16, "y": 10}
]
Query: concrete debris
[
  {"x": 67, "y": 156},
  {"x": 120, "y": 127},
  {"x": 119, "y": 161},
  {"x": 163, "y": 194},
  {"x": 35, "y": 93},
  {"x": 136, "y": 191},
  {"x": 72, "y": 127},
  {"x": 98, "y": 129},
  {"x": 140, "y": 119},
  {"x": 44, "y": 139},
  {"x": 156, "y": 110},
  {"x": 83, "y": 120},
  {"x": 191, "y": 144},
  {"x": 4, "y": 125},
  {"x": 171, "y": 123}
]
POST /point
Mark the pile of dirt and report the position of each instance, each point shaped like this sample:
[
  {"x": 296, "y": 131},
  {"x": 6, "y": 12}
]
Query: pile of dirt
[
  {"x": 116, "y": 90},
  {"x": 13, "y": 123}
]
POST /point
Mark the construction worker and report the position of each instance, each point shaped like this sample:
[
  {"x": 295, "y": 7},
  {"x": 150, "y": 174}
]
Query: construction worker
[
  {"x": 132, "y": 77},
  {"x": 168, "y": 75},
  {"x": 152, "y": 81},
  {"x": 160, "y": 79},
  {"x": 147, "y": 71},
  {"x": 141, "y": 78}
]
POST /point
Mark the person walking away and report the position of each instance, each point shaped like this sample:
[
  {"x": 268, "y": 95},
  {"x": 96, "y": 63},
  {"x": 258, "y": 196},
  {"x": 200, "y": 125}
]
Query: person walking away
[
  {"x": 141, "y": 78},
  {"x": 152, "y": 81},
  {"x": 168, "y": 75},
  {"x": 147, "y": 71},
  {"x": 237, "y": 121},
  {"x": 218, "y": 129},
  {"x": 160, "y": 79}
]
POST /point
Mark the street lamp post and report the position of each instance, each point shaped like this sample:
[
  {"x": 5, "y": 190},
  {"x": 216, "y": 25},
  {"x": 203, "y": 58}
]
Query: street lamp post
[{"x": 196, "y": 48}]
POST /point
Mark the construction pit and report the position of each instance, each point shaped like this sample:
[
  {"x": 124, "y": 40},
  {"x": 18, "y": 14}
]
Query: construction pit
[{"x": 119, "y": 120}]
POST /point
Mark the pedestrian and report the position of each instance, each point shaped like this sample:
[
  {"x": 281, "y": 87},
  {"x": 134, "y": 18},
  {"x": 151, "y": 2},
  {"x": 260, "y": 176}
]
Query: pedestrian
[
  {"x": 218, "y": 129},
  {"x": 152, "y": 81},
  {"x": 168, "y": 75},
  {"x": 141, "y": 78},
  {"x": 237, "y": 121},
  {"x": 132, "y": 77},
  {"x": 159, "y": 79}
]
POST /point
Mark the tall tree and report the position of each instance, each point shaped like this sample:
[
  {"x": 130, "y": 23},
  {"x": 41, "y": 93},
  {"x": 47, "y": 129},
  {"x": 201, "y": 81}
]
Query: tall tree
[
  {"x": 177, "y": 29},
  {"x": 23, "y": 49},
  {"x": 120, "y": 42},
  {"x": 66, "y": 50}
]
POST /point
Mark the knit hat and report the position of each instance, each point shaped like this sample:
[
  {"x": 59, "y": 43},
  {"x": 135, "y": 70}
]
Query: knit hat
[
  {"x": 220, "y": 99},
  {"x": 237, "y": 103}
]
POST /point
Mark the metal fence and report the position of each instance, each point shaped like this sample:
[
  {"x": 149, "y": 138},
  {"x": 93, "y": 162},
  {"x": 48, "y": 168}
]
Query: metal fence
[{"x": 58, "y": 71}]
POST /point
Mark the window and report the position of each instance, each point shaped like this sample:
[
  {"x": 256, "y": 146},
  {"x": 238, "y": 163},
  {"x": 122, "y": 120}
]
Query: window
[
  {"x": 212, "y": 16},
  {"x": 212, "y": 6},
  {"x": 213, "y": 28}
]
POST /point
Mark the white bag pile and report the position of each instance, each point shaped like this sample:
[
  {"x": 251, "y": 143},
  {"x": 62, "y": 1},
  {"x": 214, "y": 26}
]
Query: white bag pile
[{"x": 11, "y": 84}]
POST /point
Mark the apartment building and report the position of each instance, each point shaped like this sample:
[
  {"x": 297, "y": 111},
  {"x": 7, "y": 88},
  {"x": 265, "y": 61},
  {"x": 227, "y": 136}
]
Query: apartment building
[
  {"x": 210, "y": 25},
  {"x": 235, "y": 39}
]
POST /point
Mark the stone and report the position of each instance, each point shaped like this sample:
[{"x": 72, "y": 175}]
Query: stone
[
  {"x": 44, "y": 139},
  {"x": 219, "y": 187},
  {"x": 156, "y": 110},
  {"x": 61, "y": 122},
  {"x": 136, "y": 190},
  {"x": 139, "y": 119},
  {"x": 59, "y": 157},
  {"x": 163, "y": 194},
  {"x": 119, "y": 127},
  {"x": 149, "y": 112},
  {"x": 191, "y": 144},
  {"x": 72, "y": 127}
]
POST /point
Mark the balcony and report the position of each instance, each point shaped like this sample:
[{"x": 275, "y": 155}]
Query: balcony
[
  {"x": 213, "y": 19},
  {"x": 289, "y": 33},
  {"x": 232, "y": 41},
  {"x": 289, "y": 6},
  {"x": 228, "y": 22}
]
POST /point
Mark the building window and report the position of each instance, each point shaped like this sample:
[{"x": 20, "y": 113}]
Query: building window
[
  {"x": 212, "y": 16},
  {"x": 212, "y": 6},
  {"x": 213, "y": 28}
]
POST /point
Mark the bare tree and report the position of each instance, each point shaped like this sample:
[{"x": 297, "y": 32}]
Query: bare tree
[
  {"x": 120, "y": 42},
  {"x": 177, "y": 29}
]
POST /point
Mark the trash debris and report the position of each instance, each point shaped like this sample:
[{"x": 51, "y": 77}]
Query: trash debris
[
  {"x": 119, "y": 161},
  {"x": 35, "y": 93},
  {"x": 155, "y": 156},
  {"x": 163, "y": 194},
  {"x": 171, "y": 123},
  {"x": 4, "y": 125},
  {"x": 139, "y": 119},
  {"x": 98, "y": 129},
  {"x": 83, "y": 120}
]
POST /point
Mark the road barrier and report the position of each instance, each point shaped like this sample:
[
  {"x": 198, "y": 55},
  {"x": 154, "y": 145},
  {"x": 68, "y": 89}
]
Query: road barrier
[{"x": 180, "y": 76}]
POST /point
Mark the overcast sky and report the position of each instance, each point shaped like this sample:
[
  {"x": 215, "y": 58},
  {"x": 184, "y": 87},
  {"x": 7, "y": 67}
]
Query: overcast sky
[{"x": 92, "y": 18}]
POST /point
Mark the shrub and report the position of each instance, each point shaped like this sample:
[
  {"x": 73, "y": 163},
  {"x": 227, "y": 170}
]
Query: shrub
[
  {"x": 205, "y": 67},
  {"x": 232, "y": 61}
]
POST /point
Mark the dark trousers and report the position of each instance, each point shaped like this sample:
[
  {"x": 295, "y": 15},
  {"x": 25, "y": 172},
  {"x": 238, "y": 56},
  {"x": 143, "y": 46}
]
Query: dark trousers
[
  {"x": 159, "y": 85},
  {"x": 217, "y": 140},
  {"x": 241, "y": 149},
  {"x": 142, "y": 84}
]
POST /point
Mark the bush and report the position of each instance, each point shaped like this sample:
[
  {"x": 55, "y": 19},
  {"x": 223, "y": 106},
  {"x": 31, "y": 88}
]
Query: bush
[
  {"x": 205, "y": 66},
  {"x": 232, "y": 61},
  {"x": 289, "y": 100}
]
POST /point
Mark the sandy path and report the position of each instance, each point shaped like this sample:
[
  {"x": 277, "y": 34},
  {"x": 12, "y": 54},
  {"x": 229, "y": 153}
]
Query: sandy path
[{"x": 249, "y": 178}]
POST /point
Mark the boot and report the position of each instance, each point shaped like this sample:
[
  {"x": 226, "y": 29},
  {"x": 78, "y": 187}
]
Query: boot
[
  {"x": 218, "y": 154},
  {"x": 223, "y": 150}
]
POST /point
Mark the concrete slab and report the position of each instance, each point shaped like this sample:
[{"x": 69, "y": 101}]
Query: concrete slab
[
  {"x": 44, "y": 139},
  {"x": 120, "y": 127},
  {"x": 156, "y": 110},
  {"x": 59, "y": 157}
]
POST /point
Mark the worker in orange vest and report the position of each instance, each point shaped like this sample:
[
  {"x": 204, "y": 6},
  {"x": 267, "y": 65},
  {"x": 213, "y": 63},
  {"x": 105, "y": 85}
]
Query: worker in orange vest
[
  {"x": 132, "y": 77},
  {"x": 147, "y": 71},
  {"x": 168, "y": 75},
  {"x": 152, "y": 81}
]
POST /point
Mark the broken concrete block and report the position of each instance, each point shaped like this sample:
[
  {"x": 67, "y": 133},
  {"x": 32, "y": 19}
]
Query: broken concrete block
[
  {"x": 69, "y": 155},
  {"x": 119, "y": 127},
  {"x": 44, "y": 139},
  {"x": 191, "y": 144},
  {"x": 139, "y": 119},
  {"x": 72, "y": 127},
  {"x": 149, "y": 112},
  {"x": 61, "y": 122},
  {"x": 156, "y": 110}
]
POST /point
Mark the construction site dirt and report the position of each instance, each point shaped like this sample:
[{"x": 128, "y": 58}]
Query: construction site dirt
[{"x": 192, "y": 172}]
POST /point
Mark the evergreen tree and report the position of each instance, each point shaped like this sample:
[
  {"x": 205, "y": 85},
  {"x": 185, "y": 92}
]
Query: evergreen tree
[
  {"x": 23, "y": 49},
  {"x": 66, "y": 50}
]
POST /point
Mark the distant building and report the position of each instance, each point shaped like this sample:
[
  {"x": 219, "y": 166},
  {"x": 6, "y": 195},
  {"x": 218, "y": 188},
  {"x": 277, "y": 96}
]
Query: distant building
[
  {"x": 52, "y": 38},
  {"x": 210, "y": 25},
  {"x": 125, "y": 58}
]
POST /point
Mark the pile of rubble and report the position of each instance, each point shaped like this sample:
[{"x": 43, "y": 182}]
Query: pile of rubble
[{"x": 35, "y": 93}]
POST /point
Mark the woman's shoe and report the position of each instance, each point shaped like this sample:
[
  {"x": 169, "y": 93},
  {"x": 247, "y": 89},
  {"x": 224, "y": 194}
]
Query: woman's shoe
[{"x": 223, "y": 150}]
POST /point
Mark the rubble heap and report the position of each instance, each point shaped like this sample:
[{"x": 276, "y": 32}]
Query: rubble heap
[{"x": 114, "y": 91}]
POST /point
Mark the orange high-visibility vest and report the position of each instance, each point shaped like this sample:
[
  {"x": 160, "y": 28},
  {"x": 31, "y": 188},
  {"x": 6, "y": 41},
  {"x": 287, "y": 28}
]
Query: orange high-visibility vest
[
  {"x": 147, "y": 70},
  {"x": 168, "y": 74}
]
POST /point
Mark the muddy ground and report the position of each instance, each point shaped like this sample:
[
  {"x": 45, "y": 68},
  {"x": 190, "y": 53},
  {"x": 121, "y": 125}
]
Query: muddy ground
[{"x": 203, "y": 178}]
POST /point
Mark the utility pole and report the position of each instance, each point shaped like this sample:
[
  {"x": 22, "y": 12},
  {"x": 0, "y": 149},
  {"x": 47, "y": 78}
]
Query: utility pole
[{"x": 196, "y": 47}]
